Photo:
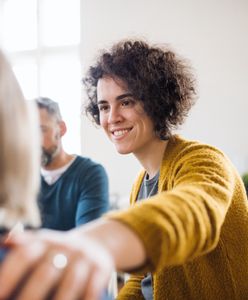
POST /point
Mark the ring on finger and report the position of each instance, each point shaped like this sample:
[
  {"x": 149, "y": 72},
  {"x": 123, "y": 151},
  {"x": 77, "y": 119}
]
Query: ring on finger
[{"x": 60, "y": 261}]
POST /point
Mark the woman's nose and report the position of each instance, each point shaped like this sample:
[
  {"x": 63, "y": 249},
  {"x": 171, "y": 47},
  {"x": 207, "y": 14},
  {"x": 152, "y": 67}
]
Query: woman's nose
[{"x": 114, "y": 116}]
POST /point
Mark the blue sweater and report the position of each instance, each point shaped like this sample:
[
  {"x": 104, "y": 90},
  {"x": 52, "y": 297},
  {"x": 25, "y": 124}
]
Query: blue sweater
[{"x": 77, "y": 197}]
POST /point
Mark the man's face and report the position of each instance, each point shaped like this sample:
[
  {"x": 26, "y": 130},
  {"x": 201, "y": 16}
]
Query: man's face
[{"x": 51, "y": 137}]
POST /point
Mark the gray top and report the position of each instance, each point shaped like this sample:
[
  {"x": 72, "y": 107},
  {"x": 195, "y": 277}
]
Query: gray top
[{"x": 149, "y": 187}]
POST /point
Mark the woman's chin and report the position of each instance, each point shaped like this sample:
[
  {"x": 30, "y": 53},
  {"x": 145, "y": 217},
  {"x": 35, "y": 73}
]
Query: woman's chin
[{"x": 122, "y": 150}]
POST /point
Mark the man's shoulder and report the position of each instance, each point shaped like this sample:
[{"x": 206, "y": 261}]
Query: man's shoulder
[
  {"x": 87, "y": 164},
  {"x": 86, "y": 161},
  {"x": 85, "y": 168}
]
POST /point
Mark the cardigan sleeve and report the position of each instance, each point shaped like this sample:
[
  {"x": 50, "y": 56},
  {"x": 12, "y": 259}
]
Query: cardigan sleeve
[{"x": 184, "y": 219}]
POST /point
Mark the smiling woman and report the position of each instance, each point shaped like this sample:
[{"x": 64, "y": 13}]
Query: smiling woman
[
  {"x": 123, "y": 118},
  {"x": 170, "y": 86},
  {"x": 139, "y": 93}
]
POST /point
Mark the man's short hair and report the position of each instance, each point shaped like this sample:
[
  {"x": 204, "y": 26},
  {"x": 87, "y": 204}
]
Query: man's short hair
[{"x": 50, "y": 106}]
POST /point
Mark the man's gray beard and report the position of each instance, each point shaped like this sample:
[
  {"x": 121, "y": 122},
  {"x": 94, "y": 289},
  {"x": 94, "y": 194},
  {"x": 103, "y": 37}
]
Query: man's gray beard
[{"x": 47, "y": 156}]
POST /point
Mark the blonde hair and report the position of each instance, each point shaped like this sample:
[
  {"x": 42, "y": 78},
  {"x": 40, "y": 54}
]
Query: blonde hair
[{"x": 19, "y": 153}]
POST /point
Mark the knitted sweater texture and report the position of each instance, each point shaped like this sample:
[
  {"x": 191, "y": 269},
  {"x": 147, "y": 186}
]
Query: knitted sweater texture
[{"x": 195, "y": 230}]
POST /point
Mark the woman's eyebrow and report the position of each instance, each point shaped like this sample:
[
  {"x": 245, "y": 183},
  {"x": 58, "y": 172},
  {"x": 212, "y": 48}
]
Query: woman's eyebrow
[
  {"x": 124, "y": 96},
  {"x": 120, "y": 97},
  {"x": 101, "y": 102}
]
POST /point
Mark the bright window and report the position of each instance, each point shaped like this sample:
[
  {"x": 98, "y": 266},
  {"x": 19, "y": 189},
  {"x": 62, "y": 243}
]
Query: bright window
[
  {"x": 19, "y": 24},
  {"x": 42, "y": 40},
  {"x": 65, "y": 29}
]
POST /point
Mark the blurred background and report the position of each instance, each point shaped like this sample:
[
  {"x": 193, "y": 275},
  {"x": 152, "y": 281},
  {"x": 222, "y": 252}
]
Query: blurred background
[{"x": 51, "y": 43}]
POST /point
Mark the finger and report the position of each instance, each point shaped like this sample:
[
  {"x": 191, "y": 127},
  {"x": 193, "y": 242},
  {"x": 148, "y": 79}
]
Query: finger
[
  {"x": 97, "y": 285},
  {"x": 18, "y": 239},
  {"x": 16, "y": 265},
  {"x": 74, "y": 281},
  {"x": 42, "y": 280}
]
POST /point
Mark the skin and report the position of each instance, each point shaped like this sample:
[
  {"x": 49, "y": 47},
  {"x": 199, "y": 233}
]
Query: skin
[
  {"x": 52, "y": 130},
  {"x": 127, "y": 125},
  {"x": 94, "y": 249}
]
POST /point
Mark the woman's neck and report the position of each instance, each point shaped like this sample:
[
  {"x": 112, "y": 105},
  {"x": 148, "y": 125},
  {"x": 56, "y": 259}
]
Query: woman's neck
[{"x": 151, "y": 158}]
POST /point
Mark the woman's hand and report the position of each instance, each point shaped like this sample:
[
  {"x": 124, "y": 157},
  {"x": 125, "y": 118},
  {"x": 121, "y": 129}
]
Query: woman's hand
[{"x": 58, "y": 265}]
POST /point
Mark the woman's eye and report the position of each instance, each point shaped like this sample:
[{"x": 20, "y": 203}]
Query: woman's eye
[
  {"x": 103, "y": 107},
  {"x": 127, "y": 102}
]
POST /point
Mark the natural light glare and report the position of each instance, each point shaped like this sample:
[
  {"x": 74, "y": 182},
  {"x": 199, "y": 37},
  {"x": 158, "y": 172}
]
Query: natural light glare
[
  {"x": 20, "y": 25},
  {"x": 61, "y": 81},
  {"x": 26, "y": 73},
  {"x": 36, "y": 35},
  {"x": 60, "y": 21}
]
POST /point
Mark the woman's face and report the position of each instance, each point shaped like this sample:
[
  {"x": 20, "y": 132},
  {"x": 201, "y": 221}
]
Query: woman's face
[{"x": 123, "y": 118}]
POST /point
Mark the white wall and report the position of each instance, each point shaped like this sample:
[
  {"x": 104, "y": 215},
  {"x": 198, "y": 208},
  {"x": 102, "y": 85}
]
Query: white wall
[{"x": 213, "y": 35}]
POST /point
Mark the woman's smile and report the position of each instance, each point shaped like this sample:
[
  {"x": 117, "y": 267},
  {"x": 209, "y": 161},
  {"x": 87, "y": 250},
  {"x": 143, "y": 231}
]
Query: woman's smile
[{"x": 123, "y": 117}]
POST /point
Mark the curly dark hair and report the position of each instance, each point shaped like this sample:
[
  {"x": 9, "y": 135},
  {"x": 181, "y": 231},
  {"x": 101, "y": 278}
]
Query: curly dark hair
[{"x": 155, "y": 75}]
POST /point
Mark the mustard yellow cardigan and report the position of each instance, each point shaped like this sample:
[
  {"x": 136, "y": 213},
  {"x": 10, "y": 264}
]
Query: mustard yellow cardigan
[{"x": 195, "y": 230}]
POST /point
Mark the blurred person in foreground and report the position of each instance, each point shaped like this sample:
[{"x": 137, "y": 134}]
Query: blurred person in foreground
[
  {"x": 185, "y": 235},
  {"x": 19, "y": 159},
  {"x": 74, "y": 189}
]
